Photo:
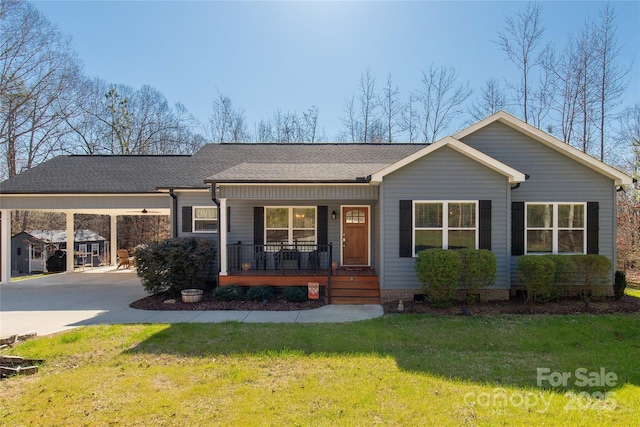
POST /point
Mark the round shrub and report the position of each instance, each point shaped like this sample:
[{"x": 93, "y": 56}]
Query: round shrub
[
  {"x": 296, "y": 294},
  {"x": 175, "y": 264},
  {"x": 260, "y": 293},
  {"x": 438, "y": 271},
  {"x": 478, "y": 270},
  {"x": 537, "y": 273},
  {"x": 228, "y": 293}
]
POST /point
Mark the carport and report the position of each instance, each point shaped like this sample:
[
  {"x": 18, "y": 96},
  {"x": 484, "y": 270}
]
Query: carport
[{"x": 104, "y": 185}]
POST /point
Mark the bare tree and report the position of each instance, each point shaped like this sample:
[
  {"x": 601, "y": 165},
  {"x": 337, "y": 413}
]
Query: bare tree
[
  {"x": 391, "y": 106},
  {"x": 117, "y": 119},
  {"x": 410, "y": 119},
  {"x": 491, "y": 100},
  {"x": 519, "y": 41},
  {"x": 368, "y": 104},
  {"x": 611, "y": 79},
  {"x": 227, "y": 124},
  {"x": 442, "y": 99},
  {"x": 37, "y": 68}
]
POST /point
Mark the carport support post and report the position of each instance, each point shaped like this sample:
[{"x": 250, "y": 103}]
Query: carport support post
[
  {"x": 5, "y": 246},
  {"x": 114, "y": 239},
  {"x": 70, "y": 243}
]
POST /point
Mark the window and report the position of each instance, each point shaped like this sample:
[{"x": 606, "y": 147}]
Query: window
[
  {"x": 555, "y": 228},
  {"x": 290, "y": 225},
  {"x": 205, "y": 219},
  {"x": 446, "y": 225}
]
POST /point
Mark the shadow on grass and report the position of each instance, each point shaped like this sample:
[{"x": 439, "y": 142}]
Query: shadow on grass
[{"x": 500, "y": 350}]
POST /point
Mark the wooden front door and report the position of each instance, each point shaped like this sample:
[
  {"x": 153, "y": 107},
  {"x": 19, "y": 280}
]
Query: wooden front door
[{"x": 355, "y": 235}]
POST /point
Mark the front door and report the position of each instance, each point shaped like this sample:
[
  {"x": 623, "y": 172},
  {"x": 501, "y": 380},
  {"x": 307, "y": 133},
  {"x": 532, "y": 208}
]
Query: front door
[{"x": 355, "y": 235}]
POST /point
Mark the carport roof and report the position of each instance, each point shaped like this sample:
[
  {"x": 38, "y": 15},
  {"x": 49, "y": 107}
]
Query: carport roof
[{"x": 103, "y": 174}]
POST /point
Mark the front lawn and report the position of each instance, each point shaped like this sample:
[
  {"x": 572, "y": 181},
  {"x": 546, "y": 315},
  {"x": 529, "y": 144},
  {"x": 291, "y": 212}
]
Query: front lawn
[{"x": 395, "y": 370}]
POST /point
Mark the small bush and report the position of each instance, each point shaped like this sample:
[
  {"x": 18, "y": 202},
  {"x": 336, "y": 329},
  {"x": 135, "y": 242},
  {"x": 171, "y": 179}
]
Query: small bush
[
  {"x": 592, "y": 273},
  {"x": 228, "y": 293},
  {"x": 175, "y": 264},
  {"x": 619, "y": 285},
  {"x": 565, "y": 268},
  {"x": 477, "y": 270},
  {"x": 537, "y": 273},
  {"x": 438, "y": 271},
  {"x": 296, "y": 294},
  {"x": 260, "y": 293}
]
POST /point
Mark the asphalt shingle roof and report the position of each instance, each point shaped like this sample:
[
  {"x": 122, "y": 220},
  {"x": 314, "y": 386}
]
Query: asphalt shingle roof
[{"x": 238, "y": 162}]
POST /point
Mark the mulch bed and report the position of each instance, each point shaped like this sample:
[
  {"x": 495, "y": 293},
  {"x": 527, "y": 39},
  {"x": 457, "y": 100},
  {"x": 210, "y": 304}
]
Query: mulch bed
[
  {"x": 157, "y": 302},
  {"x": 514, "y": 306},
  {"x": 517, "y": 306}
]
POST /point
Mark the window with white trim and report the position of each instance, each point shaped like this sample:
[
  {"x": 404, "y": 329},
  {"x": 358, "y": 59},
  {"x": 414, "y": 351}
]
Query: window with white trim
[
  {"x": 204, "y": 219},
  {"x": 555, "y": 228},
  {"x": 445, "y": 225},
  {"x": 290, "y": 225}
]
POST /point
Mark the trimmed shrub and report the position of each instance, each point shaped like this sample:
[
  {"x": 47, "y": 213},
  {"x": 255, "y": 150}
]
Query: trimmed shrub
[
  {"x": 228, "y": 293},
  {"x": 537, "y": 274},
  {"x": 619, "y": 285},
  {"x": 565, "y": 268},
  {"x": 477, "y": 270},
  {"x": 592, "y": 273},
  {"x": 438, "y": 271},
  {"x": 260, "y": 293},
  {"x": 175, "y": 264},
  {"x": 296, "y": 294}
]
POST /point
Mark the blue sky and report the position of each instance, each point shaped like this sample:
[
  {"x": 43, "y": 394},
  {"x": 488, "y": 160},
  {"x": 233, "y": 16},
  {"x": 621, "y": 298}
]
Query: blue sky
[{"x": 291, "y": 55}]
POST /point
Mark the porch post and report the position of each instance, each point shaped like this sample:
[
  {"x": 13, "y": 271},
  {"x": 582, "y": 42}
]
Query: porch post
[
  {"x": 5, "y": 246},
  {"x": 223, "y": 237},
  {"x": 70, "y": 243},
  {"x": 114, "y": 240}
]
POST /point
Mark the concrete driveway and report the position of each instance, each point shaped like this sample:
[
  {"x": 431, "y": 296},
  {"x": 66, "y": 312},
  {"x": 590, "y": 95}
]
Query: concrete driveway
[{"x": 59, "y": 302}]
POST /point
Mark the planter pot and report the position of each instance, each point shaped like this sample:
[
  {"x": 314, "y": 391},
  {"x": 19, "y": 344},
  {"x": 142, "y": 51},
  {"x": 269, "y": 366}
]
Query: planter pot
[
  {"x": 246, "y": 266},
  {"x": 191, "y": 295}
]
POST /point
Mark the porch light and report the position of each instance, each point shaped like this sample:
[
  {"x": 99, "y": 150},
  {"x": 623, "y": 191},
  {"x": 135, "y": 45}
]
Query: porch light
[{"x": 334, "y": 215}]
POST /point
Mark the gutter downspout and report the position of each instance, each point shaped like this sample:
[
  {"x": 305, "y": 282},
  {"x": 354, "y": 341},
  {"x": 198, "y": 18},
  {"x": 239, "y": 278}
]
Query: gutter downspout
[
  {"x": 175, "y": 212},
  {"x": 215, "y": 200}
]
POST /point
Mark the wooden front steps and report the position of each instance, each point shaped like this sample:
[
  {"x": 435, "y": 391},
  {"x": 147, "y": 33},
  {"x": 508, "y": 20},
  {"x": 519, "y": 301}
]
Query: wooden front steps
[{"x": 355, "y": 289}]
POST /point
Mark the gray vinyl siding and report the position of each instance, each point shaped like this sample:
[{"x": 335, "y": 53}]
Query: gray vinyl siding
[
  {"x": 553, "y": 177},
  {"x": 443, "y": 175},
  {"x": 299, "y": 192}
]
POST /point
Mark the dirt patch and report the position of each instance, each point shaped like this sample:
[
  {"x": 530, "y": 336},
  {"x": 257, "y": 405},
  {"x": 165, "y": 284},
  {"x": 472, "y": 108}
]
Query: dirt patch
[
  {"x": 516, "y": 306},
  {"x": 157, "y": 302}
]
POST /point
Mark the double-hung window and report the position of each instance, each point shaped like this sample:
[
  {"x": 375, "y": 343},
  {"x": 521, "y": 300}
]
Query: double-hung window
[
  {"x": 205, "y": 219},
  {"x": 290, "y": 225},
  {"x": 555, "y": 228},
  {"x": 445, "y": 225}
]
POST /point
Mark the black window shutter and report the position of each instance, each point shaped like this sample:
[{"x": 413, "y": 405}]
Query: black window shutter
[
  {"x": 323, "y": 226},
  {"x": 517, "y": 228},
  {"x": 406, "y": 207},
  {"x": 186, "y": 219},
  {"x": 258, "y": 225},
  {"x": 484, "y": 225},
  {"x": 593, "y": 228},
  {"x": 228, "y": 219}
]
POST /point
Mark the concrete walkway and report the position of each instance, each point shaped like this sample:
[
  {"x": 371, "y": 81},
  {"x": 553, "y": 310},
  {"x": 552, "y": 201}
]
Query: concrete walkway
[{"x": 59, "y": 302}]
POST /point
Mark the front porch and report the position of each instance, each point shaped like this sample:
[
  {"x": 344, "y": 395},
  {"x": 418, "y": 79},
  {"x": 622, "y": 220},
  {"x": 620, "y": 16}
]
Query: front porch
[{"x": 298, "y": 265}]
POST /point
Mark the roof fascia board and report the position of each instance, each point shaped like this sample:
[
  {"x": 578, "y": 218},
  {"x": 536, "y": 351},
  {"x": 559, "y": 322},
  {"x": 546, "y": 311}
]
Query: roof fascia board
[
  {"x": 514, "y": 175},
  {"x": 285, "y": 183},
  {"x": 513, "y": 122},
  {"x": 159, "y": 194}
]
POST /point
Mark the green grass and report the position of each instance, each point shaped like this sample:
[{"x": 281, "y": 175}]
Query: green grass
[{"x": 395, "y": 370}]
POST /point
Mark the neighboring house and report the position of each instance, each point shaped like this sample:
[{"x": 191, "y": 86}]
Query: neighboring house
[
  {"x": 284, "y": 213},
  {"x": 31, "y": 249}
]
